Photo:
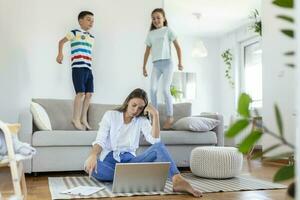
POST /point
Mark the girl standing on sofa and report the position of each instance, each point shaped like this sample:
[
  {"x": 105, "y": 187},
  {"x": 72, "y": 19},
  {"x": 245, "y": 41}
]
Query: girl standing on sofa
[
  {"x": 118, "y": 139},
  {"x": 159, "y": 41}
]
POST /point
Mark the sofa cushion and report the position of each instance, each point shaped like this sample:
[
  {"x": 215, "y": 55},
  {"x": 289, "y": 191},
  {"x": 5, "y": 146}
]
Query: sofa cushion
[
  {"x": 185, "y": 137},
  {"x": 96, "y": 112},
  {"x": 59, "y": 111},
  {"x": 180, "y": 110},
  {"x": 85, "y": 138},
  {"x": 40, "y": 117},
  {"x": 63, "y": 138},
  {"x": 198, "y": 124}
]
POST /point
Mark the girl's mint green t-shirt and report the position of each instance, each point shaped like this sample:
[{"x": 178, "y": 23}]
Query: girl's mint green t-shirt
[{"x": 160, "y": 42}]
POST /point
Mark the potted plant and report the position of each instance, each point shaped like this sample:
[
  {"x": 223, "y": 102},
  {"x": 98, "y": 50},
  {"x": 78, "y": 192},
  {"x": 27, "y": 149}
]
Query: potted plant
[
  {"x": 176, "y": 93},
  {"x": 227, "y": 58},
  {"x": 256, "y": 26}
]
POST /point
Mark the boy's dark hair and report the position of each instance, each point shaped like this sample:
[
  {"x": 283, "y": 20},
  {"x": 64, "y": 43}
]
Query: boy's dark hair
[
  {"x": 159, "y": 10},
  {"x": 82, "y": 14}
]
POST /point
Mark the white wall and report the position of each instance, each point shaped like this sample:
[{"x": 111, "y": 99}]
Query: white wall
[
  {"x": 14, "y": 72},
  {"x": 207, "y": 73},
  {"x": 229, "y": 94},
  {"x": 30, "y": 32},
  {"x": 28, "y": 67},
  {"x": 279, "y": 81}
]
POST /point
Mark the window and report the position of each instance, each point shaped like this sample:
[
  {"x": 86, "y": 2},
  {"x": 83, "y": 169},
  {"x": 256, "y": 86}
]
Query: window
[
  {"x": 183, "y": 86},
  {"x": 251, "y": 71}
]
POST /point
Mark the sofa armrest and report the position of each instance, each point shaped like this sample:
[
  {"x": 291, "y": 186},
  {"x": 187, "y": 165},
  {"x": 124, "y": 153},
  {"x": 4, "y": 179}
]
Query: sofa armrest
[
  {"x": 25, "y": 119},
  {"x": 219, "y": 130}
]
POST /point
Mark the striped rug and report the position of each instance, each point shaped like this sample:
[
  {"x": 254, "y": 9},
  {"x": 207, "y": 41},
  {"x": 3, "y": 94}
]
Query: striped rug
[{"x": 240, "y": 183}]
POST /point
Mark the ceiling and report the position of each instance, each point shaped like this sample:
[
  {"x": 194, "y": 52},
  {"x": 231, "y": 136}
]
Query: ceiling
[{"x": 217, "y": 16}]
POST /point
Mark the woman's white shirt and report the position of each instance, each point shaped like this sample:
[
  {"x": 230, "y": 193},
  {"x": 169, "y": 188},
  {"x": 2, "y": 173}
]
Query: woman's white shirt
[{"x": 111, "y": 129}]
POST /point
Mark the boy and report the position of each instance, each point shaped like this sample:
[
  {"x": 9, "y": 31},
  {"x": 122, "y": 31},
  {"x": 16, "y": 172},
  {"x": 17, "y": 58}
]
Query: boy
[{"x": 81, "y": 58}]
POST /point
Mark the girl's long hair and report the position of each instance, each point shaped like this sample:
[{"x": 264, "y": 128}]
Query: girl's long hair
[
  {"x": 137, "y": 93},
  {"x": 160, "y": 10}
]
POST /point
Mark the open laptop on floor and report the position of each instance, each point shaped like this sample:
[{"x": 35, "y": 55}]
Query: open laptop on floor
[{"x": 140, "y": 177}]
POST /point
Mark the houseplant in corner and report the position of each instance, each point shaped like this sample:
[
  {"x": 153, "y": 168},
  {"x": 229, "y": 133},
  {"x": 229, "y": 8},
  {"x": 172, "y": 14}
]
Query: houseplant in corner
[{"x": 247, "y": 118}]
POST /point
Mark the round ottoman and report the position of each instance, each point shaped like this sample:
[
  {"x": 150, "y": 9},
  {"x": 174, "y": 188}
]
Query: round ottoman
[{"x": 216, "y": 162}]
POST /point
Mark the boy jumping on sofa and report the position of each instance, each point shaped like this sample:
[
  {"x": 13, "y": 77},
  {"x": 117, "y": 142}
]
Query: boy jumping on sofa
[{"x": 81, "y": 42}]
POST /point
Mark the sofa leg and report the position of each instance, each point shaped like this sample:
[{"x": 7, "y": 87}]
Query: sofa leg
[{"x": 35, "y": 174}]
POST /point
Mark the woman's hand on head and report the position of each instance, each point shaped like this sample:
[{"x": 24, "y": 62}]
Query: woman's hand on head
[
  {"x": 91, "y": 164},
  {"x": 150, "y": 109}
]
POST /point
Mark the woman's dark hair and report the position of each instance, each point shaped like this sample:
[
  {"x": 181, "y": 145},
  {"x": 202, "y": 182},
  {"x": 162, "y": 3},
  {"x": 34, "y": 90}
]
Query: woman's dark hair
[
  {"x": 160, "y": 10},
  {"x": 82, "y": 14},
  {"x": 137, "y": 93}
]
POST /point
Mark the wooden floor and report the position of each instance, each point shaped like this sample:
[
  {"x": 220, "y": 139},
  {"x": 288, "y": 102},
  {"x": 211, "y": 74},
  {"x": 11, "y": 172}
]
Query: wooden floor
[{"x": 38, "y": 186}]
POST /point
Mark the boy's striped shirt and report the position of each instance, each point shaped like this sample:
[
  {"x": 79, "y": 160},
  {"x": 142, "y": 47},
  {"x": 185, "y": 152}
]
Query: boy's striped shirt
[{"x": 81, "y": 48}]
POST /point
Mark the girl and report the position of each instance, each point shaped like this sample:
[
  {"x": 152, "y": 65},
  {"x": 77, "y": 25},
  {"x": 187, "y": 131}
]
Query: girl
[
  {"x": 118, "y": 139},
  {"x": 159, "y": 42}
]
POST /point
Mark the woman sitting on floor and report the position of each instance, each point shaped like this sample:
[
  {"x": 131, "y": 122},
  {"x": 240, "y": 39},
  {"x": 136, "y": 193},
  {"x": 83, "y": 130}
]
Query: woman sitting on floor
[{"x": 118, "y": 139}]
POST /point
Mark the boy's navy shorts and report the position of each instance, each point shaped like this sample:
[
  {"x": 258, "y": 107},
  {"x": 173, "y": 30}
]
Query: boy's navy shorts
[{"x": 83, "y": 80}]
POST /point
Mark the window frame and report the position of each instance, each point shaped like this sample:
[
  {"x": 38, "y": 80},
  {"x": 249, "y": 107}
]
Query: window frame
[{"x": 241, "y": 68}]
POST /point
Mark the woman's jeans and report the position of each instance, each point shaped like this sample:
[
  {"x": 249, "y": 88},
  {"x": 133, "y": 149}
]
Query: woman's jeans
[
  {"x": 155, "y": 153},
  {"x": 164, "y": 68}
]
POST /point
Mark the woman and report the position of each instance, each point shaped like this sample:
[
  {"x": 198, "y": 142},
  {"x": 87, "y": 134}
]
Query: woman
[{"x": 118, "y": 139}]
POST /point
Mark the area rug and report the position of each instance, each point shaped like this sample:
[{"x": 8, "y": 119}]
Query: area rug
[{"x": 240, "y": 183}]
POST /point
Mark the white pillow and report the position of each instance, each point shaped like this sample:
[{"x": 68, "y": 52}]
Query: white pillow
[
  {"x": 40, "y": 117},
  {"x": 198, "y": 124}
]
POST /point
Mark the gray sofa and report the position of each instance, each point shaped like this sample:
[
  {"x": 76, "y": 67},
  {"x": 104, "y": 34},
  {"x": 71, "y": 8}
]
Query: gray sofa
[{"x": 65, "y": 149}]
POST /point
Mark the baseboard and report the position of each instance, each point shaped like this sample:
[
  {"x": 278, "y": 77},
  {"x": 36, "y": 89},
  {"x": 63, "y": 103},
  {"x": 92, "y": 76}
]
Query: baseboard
[
  {"x": 267, "y": 160},
  {"x": 279, "y": 161}
]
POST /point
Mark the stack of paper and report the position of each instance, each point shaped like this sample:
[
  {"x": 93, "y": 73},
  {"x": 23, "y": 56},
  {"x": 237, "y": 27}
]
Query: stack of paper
[{"x": 82, "y": 190}]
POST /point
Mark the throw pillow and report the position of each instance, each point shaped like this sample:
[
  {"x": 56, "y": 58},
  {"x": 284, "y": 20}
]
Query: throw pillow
[
  {"x": 198, "y": 124},
  {"x": 40, "y": 117}
]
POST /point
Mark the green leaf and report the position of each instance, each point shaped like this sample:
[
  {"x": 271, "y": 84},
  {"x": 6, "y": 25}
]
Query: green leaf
[
  {"x": 278, "y": 120},
  {"x": 284, "y": 3},
  {"x": 289, "y": 53},
  {"x": 236, "y": 128},
  {"x": 288, "y": 32},
  {"x": 260, "y": 154},
  {"x": 249, "y": 141},
  {"x": 290, "y": 65},
  {"x": 286, "y": 18},
  {"x": 243, "y": 107},
  {"x": 284, "y": 173}
]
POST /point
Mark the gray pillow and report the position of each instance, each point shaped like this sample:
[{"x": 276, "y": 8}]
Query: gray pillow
[{"x": 197, "y": 124}]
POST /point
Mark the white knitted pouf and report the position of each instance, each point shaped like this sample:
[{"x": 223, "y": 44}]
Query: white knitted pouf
[{"x": 216, "y": 162}]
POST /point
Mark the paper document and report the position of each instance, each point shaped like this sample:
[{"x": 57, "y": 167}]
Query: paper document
[{"x": 82, "y": 190}]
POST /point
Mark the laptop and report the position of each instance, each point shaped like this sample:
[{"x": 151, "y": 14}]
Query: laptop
[{"x": 140, "y": 177}]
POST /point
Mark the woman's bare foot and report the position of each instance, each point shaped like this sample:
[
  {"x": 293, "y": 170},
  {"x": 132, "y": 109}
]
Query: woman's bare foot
[
  {"x": 77, "y": 124},
  {"x": 86, "y": 124},
  {"x": 168, "y": 123},
  {"x": 181, "y": 185}
]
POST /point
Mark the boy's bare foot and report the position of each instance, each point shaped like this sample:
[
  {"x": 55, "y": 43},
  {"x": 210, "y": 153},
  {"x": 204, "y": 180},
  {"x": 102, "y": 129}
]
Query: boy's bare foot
[
  {"x": 168, "y": 123},
  {"x": 86, "y": 124},
  {"x": 77, "y": 124},
  {"x": 181, "y": 185}
]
